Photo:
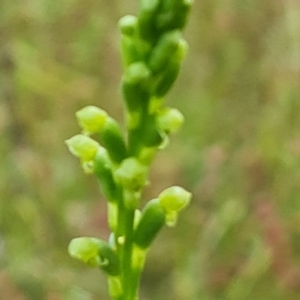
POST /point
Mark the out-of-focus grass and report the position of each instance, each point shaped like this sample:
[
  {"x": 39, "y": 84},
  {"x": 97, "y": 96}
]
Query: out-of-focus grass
[{"x": 239, "y": 150}]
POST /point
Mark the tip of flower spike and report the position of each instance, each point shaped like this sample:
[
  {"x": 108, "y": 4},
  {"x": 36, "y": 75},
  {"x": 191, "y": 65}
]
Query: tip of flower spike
[
  {"x": 91, "y": 119},
  {"x": 82, "y": 147}
]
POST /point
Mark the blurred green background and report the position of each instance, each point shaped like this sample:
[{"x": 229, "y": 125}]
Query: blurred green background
[{"x": 239, "y": 151}]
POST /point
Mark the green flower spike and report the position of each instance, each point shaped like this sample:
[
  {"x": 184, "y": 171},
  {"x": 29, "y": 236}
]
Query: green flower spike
[
  {"x": 152, "y": 50},
  {"x": 173, "y": 200},
  {"x": 91, "y": 119}
]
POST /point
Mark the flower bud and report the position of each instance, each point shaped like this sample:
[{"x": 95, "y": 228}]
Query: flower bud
[
  {"x": 91, "y": 119},
  {"x": 147, "y": 18},
  {"x": 112, "y": 139},
  {"x": 174, "y": 15},
  {"x": 133, "y": 49},
  {"x": 131, "y": 174},
  {"x": 82, "y": 147},
  {"x": 128, "y": 25},
  {"x": 135, "y": 87},
  {"x": 173, "y": 200},
  {"x": 167, "y": 79},
  {"x": 169, "y": 119},
  {"x": 85, "y": 249},
  {"x": 136, "y": 96},
  {"x": 103, "y": 170},
  {"x": 166, "y": 47},
  {"x": 182, "y": 50},
  {"x": 137, "y": 72},
  {"x": 95, "y": 253}
]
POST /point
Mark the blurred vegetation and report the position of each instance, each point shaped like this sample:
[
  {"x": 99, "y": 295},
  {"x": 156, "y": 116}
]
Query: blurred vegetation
[{"x": 239, "y": 151}]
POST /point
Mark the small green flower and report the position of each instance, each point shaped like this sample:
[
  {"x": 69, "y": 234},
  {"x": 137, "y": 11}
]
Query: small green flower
[
  {"x": 137, "y": 72},
  {"x": 95, "y": 253},
  {"x": 128, "y": 25},
  {"x": 83, "y": 147},
  {"x": 131, "y": 174},
  {"x": 169, "y": 120},
  {"x": 85, "y": 249},
  {"x": 173, "y": 200},
  {"x": 91, "y": 119}
]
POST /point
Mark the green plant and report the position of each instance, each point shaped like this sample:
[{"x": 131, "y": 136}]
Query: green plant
[{"x": 152, "y": 51}]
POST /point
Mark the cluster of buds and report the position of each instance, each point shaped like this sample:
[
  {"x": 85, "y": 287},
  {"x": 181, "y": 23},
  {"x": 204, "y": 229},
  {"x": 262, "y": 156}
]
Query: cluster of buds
[
  {"x": 157, "y": 212},
  {"x": 121, "y": 179},
  {"x": 152, "y": 51}
]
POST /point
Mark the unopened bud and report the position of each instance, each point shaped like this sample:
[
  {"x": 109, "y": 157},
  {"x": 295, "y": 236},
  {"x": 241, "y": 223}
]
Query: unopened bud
[
  {"x": 137, "y": 73},
  {"x": 128, "y": 25},
  {"x": 95, "y": 253},
  {"x": 165, "y": 50},
  {"x": 85, "y": 249},
  {"x": 170, "y": 120},
  {"x": 173, "y": 200},
  {"x": 131, "y": 174},
  {"x": 182, "y": 50},
  {"x": 91, "y": 119},
  {"x": 83, "y": 147}
]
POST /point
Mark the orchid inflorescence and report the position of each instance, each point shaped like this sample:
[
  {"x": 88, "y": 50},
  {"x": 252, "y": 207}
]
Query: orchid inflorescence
[{"x": 152, "y": 51}]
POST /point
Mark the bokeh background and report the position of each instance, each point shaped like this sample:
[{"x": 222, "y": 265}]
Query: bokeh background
[{"x": 239, "y": 151}]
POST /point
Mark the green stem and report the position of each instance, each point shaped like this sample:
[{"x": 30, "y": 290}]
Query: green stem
[
  {"x": 135, "y": 276},
  {"x": 126, "y": 260},
  {"x": 129, "y": 280},
  {"x": 134, "y": 135}
]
